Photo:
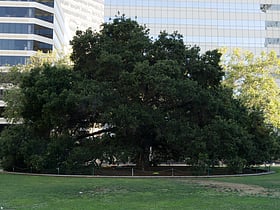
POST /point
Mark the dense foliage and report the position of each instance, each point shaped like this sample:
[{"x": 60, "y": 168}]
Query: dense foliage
[
  {"x": 129, "y": 98},
  {"x": 254, "y": 81}
]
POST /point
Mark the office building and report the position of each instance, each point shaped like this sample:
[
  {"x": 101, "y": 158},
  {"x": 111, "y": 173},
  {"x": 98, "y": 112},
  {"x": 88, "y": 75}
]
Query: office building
[
  {"x": 249, "y": 24},
  {"x": 27, "y": 26},
  {"x": 81, "y": 15}
]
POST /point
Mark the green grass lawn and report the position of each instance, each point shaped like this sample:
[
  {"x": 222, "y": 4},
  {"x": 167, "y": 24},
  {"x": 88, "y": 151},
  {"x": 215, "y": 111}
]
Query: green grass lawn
[{"x": 36, "y": 192}]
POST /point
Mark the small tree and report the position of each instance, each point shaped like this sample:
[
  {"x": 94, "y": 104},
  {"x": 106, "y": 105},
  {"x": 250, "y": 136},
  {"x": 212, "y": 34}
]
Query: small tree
[{"x": 253, "y": 79}]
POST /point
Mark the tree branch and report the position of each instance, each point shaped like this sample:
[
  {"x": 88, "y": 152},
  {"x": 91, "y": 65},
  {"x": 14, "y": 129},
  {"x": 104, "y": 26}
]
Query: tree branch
[{"x": 106, "y": 130}]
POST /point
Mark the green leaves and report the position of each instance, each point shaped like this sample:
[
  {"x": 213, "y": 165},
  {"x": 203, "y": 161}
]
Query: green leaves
[
  {"x": 204, "y": 69},
  {"x": 129, "y": 97},
  {"x": 253, "y": 80}
]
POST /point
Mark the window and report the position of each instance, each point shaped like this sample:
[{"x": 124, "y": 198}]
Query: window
[
  {"x": 272, "y": 41},
  {"x": 12, "y": 60},
  {"x": 10, "y": 44},
  {"x": 26, "y": 12},
  {"x": 273, "y": 24},
  {"x": 49, "y": 3},
  {"x": 24, "y": 28}
]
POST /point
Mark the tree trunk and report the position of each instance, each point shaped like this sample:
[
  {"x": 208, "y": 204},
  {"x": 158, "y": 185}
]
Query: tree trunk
[{"x": 142, "y": 159}]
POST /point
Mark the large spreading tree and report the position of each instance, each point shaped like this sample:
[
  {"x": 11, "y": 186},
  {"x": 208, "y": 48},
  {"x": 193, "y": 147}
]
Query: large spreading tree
[{"x": 131, "y": 98}]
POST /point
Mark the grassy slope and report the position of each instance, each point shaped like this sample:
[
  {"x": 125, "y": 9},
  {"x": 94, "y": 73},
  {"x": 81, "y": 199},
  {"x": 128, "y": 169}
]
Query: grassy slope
[{"x": 32, "y": 192}]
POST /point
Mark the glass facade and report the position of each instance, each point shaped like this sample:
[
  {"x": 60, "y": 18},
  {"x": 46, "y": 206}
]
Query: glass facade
[
  {"x": 30, "y": 25},
  {"x": 251, "y": 24},
  {"x": 21, "y": 34}
]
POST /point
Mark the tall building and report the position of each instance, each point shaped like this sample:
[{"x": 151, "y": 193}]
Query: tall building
[
  {"x": 250, "y": 24},
  {"x": 27, "y": 26},
  {"x": 81, "y": 15}
]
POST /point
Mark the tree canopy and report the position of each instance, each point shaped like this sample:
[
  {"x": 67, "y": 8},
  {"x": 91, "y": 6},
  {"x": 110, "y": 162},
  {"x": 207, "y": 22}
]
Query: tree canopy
[
  {"x": 131, "y": 98},
  {"x": 253, "y": 79}
]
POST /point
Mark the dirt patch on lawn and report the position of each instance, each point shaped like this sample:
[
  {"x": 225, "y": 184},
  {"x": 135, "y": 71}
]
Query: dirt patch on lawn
[{"x": 241, "y": 189}]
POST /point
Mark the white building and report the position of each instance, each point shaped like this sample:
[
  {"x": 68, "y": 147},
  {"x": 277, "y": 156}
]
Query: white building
[
  {"x": 27, "y": 26},
  {"x": 82, "y": 14}
]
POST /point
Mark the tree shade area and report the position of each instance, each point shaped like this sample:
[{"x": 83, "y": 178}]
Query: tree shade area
[{"x": 129, "y": 98}]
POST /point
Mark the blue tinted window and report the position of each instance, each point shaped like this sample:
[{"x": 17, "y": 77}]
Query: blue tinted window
[
  {"x": 49, "y": 3},
  {"x": 16, "y": 12},
  {"x": 13, "y": 60},
  {"x": 16, "y": 28},
  {"x": 26, "y": 12},
  {"x": 43, "y": 15},
  {"x": 272, "y": 41},
  {"x": 43, "y": 31},
  {"x": 273, "y": 24},
  {"x": 15, "y": 44},
  {"x": 10, "y": 44},
  {"x": 24, "y": 28},
  {"x": 44, "y": 47}
]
